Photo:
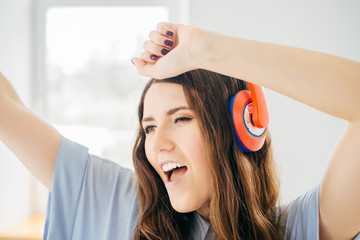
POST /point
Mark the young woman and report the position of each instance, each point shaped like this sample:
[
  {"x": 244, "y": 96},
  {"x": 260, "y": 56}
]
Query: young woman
[
  {"x": 186, "y": 121},
  {"x": 328, "y": 83},
  {"x": 191, "y": 180}
]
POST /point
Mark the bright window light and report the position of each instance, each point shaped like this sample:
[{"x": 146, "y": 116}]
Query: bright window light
[{"x": 92, "y": 89}]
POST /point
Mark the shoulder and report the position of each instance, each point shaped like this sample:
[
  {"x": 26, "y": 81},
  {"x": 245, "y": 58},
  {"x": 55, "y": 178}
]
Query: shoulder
[
  {"x": 87, "y": 191},
  {"x": 74, "y": 163},
  {"x": 300, "y": 217}
]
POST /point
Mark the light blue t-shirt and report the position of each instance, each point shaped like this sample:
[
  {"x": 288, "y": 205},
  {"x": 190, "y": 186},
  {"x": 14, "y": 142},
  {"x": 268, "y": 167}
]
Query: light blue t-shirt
[{"x": 95, "y": 199}]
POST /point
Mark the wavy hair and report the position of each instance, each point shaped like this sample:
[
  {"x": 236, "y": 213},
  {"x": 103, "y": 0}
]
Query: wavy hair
[{"x": 245, "y": 187}]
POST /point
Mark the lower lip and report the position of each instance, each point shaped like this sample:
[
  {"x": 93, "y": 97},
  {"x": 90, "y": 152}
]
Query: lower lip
[{"x": 172, "y": 184}]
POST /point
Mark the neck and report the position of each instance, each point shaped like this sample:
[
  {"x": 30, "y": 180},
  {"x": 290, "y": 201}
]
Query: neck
[{"x": 204, "y": 211}]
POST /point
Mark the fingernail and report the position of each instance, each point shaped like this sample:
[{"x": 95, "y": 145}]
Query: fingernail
[
  {"x": 153, "y": 57},
  {"x": 169, "y": 33},
  {"x": 164, "y": 51},
  {"x": 168, "y": 43},
  {"x": 132, "y": 61}
]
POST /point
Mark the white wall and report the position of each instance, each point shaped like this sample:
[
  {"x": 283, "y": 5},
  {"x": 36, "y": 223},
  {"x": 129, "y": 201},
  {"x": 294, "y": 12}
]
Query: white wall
[
  {"x": 303, "y": 138},
  {"x": 15, "y": 63}
]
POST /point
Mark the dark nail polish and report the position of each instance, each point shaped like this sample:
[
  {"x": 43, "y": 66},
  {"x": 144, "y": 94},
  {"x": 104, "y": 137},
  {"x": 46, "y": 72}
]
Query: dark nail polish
[
  {"x": 164, "y": 51},
  {"x": 132, "y": 61},
  {"x": 168, "y": 43},
  {"x": 153, "y": 57},
  {"x": 169, "y": 33}
]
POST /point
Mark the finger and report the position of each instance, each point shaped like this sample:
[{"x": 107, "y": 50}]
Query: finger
[
  {"x": 155, "y": 49},
  {"x": 166, "y": 29},
  {"x": 138, "y": 63},
  {"x": 169, "y": 30},
  {"x": 149, "y": 57},
  {"x": 161, "y": 40},
  {"x": 143, "y": 68}
]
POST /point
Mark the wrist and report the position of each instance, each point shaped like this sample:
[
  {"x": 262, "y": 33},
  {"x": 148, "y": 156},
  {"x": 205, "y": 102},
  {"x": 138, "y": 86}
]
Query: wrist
[
  {"x": 198, "y": 49},
  {"x": 207, "y": 46}
]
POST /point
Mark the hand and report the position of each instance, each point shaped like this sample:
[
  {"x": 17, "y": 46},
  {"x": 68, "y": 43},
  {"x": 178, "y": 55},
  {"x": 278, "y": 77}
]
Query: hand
[{"x": 170, "y": 51}]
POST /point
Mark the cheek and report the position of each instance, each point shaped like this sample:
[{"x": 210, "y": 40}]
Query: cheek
[
  {"x": 196, "y": 145},
  {"x": 201, "y": 174},
  {"x": 149, "y": 154},
  {"x": 196, "y": 153}
]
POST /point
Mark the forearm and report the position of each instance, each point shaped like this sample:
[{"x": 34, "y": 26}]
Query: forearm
[
  {"x": 31, "y": 139},
  {"x": 7, "y": 91},
  {"x": 328, "y": 83}
]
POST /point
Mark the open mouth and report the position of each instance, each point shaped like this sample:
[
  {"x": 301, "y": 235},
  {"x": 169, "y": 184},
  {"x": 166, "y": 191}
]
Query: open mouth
[{"x": 176, "y": 173}]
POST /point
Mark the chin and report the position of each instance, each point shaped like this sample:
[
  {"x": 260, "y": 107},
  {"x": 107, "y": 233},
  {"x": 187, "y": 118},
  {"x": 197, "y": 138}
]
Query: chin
[
  {"x": 184, "y": 206},
  {"x": 180, "y": 203},
  {"x": 181, "y": 207}
]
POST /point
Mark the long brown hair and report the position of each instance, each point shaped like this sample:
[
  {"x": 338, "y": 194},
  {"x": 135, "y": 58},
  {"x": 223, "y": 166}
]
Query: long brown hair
[{"x": 245, "y": 187}]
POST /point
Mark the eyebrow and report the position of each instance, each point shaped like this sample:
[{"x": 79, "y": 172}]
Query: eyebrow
[{"x": 168, "y": 113}]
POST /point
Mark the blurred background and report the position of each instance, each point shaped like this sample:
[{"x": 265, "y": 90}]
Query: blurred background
[{"x": 70, "y": 63}]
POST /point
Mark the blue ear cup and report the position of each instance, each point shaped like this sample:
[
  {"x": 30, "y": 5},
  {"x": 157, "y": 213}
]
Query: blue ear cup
[{"x": 238, "y": 141}]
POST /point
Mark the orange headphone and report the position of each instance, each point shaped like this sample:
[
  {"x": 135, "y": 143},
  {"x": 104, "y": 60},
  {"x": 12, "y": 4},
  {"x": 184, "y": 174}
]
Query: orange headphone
[{"x": 250, "y": 118}]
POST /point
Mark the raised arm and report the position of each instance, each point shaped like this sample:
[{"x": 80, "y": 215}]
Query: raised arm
[
  {"x": 32, "y": 140},
  {"x": 328, "y": 83}
]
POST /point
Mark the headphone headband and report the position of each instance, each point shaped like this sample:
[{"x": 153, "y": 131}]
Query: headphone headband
[{"x": 260, "y": 110}]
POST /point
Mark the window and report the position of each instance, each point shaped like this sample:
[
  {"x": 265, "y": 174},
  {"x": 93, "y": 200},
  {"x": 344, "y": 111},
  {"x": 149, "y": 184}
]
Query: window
[{"x": 86, "y": 85}]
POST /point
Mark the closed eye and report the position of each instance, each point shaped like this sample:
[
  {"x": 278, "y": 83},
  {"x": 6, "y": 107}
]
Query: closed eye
[
  {"x": 151, "y": 128},
  {"x": 182, "y": 119}
]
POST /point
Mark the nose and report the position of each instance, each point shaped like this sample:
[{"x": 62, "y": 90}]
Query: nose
[{"x": 162, "y": 140}]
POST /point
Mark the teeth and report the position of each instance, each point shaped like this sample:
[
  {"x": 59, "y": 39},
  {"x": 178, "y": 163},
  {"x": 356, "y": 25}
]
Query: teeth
[{"x": 171, "y": 166}]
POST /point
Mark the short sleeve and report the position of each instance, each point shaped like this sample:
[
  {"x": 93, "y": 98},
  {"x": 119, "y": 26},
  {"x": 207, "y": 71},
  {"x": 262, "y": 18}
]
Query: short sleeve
[
  {"x": 301, "y": 216},
  {"x": 91, "y": 198}
]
